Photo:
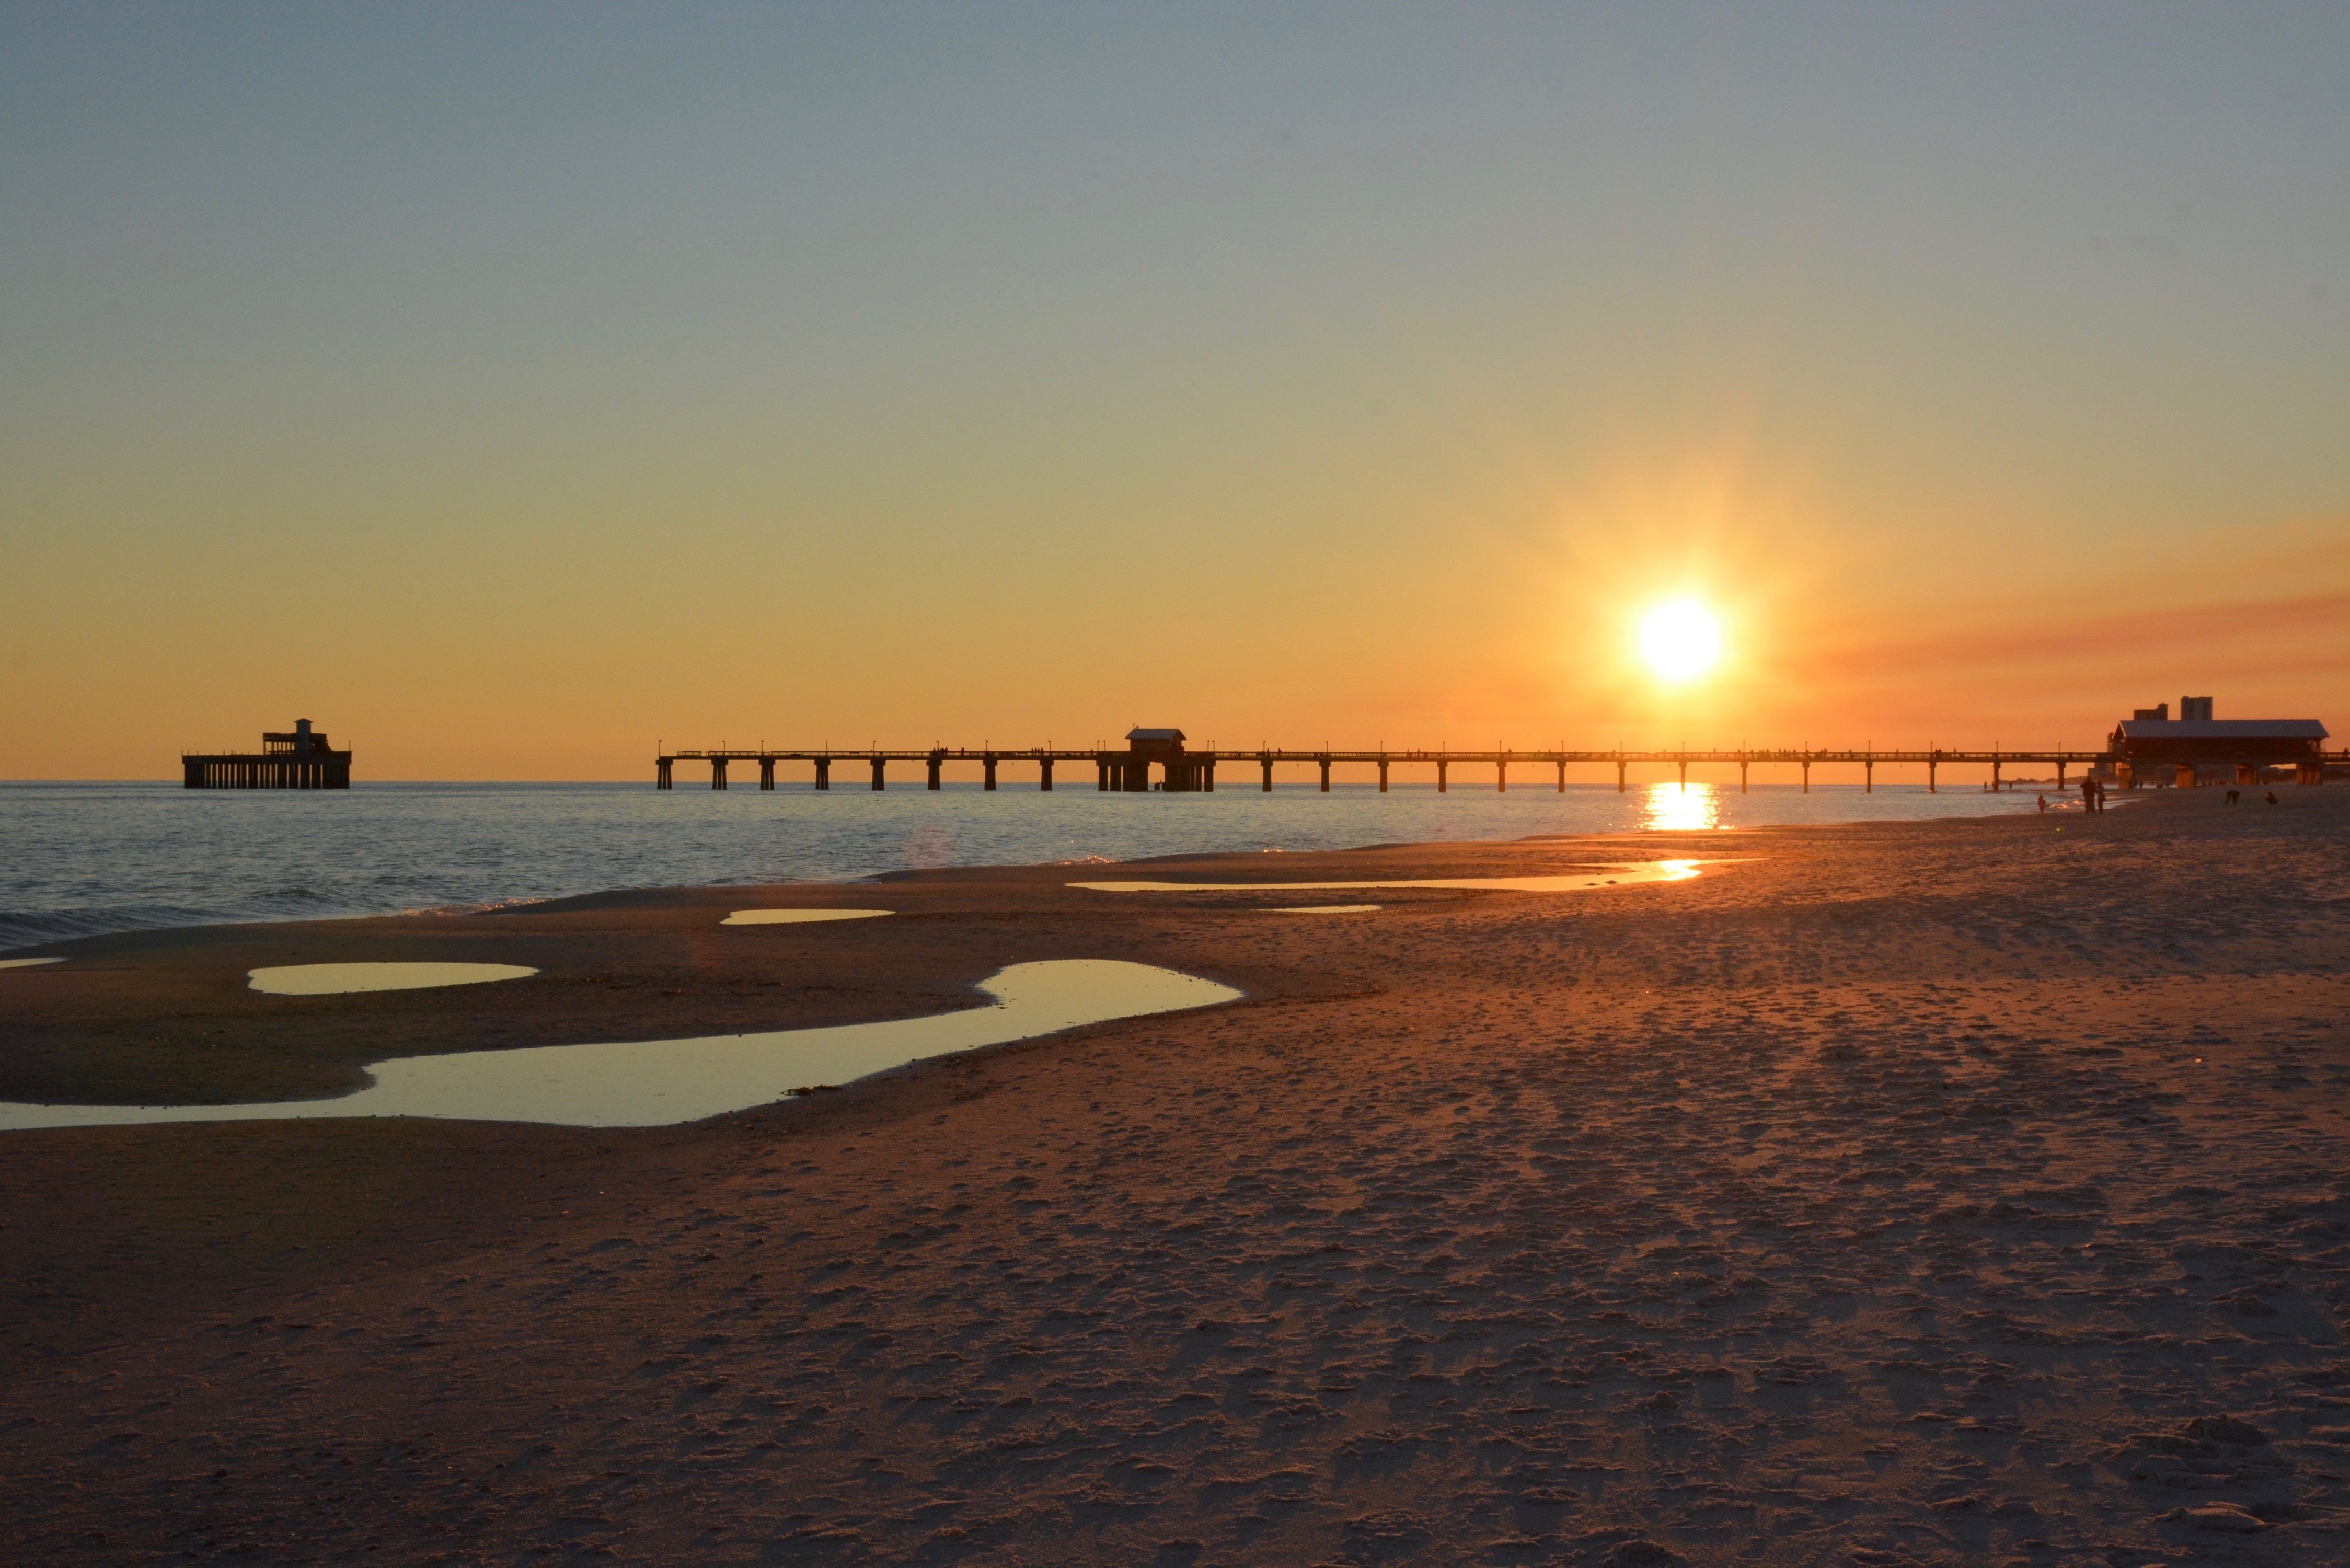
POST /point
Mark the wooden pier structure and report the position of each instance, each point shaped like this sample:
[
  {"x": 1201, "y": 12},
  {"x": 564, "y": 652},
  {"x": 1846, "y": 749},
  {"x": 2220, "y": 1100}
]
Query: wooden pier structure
[
  {"x": 298, "y": 758},
  {"x": 1159, "y": 760}
]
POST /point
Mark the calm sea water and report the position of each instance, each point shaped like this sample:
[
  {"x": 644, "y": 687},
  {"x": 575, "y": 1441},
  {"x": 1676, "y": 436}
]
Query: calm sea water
[{"x": 80, "y": 858}]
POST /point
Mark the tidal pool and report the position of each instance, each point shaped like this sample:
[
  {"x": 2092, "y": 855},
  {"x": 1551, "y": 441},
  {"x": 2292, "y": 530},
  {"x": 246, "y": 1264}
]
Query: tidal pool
[
  {"x": 659, "y": 1083},
  {"x": 1625, "y": 875},
  {"x": 798, "y": 917},
  {"x": 26, "y": 963},
  {"x": 337, "y": 978}
]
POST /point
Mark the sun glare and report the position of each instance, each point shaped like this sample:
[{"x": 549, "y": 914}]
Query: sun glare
[{"x": 1680, "y": 640}]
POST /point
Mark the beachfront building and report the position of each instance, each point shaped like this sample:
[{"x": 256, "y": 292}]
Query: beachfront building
[{"x": 2150, "y": 741}]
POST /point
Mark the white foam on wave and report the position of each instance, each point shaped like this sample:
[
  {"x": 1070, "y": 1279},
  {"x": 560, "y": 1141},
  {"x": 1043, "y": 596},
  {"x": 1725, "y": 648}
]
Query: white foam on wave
[
  {"x": 658, "y": 1082},
  {"x": 26, "y": 963}
]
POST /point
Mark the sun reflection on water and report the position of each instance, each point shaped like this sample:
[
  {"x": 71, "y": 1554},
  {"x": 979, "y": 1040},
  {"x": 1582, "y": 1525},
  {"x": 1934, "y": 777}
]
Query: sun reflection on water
[{"x": 1671, "y": 808}]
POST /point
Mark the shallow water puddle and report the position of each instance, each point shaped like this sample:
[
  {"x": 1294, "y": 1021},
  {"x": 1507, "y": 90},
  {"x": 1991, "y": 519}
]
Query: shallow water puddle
[
  {"x": 798, "y": 917},
  {"x": 1320, "y": 909},
  {"x": 658, "y": 1082},
  {"x": 1599, "y": 876},
  {"x": 338, "y": 978},
  {"x": 26, "y": 963}
]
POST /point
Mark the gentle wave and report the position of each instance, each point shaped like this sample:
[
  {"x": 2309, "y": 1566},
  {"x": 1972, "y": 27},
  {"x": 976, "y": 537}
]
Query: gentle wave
[{"x": 87, "y": 859}]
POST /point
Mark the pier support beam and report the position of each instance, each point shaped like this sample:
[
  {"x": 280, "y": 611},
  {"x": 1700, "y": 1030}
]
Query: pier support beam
[
  {"x": 1685, "y": 775},
  {"x": 2184, "y": 776},
  {"x": 1869, "y": 776},
  {"x": 1929, "y": 775},
  {"x": 1619, "y": 776},
  {"x": 1439, "y": 775},
  {"x": 1995, "y": 775},
  {"x": 877, "y": 773},
  {"x": 1326, "y": 774},
  {"x": 1502, "y": 776},
  {"x": 936, "y": 761},
  {"x": 718, "y": 773},
  {"x": 1046, "y": 784},
  {"x": 1807, "y": 775},
  {"x": 1383, "y": 775},
  {"x": 988, "y": 762},
  {"x": 1561, "y": 776},
  {"x": 1209, "y": 770},
  {"x": 767, "y": 773},
  {"x": 661, "y": 779},
  {"x": 824, "y": 773},
  {"x": 1101, "y": 773},
  {"x": 1268, "y": 773},
  {"x": 2060, "y": 773},
  {"x": 1741, "y": 776}
]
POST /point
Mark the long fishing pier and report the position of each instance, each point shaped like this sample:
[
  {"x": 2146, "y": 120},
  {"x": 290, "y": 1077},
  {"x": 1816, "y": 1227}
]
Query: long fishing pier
[{"x": 1182, "y": 770}]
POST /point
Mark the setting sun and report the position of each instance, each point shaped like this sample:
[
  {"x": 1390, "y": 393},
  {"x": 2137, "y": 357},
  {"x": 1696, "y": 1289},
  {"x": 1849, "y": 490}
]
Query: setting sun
[{"x": 1680, "y": 640}]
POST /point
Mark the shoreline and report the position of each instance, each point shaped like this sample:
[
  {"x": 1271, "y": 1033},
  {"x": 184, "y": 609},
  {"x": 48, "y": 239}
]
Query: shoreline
[
  {"x": 291, "y": 879},
  {"x": 1940, "y": 1189}
]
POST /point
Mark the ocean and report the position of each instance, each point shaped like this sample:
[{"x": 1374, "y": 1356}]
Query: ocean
[{"x": 85, "y": 858}]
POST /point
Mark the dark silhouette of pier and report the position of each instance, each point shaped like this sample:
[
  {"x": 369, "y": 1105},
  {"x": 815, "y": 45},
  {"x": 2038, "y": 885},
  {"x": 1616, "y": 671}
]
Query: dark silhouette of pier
[
  {"x": 298, "y": 758},
  {"x": 1182, "y": 770},
  {"x": 1159, "y": 760}
]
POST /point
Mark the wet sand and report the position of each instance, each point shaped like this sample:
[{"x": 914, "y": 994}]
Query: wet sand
[{"x": 1939, "y": 1192}]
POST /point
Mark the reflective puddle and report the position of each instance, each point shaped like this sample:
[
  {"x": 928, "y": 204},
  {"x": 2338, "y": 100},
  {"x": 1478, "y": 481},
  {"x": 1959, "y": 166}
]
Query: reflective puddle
[
  {"x": 26, "y": 963},
  {"x": 658, "y": 1082},
  {"x": 798, "y": 917},
  {"x": 336, "y": 979},
  {"x": 1320, "y": 909},
  {"x": 1628, "y": 876}
]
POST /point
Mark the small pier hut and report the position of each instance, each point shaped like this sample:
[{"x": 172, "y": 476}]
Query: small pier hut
[
  {"x": 1180, "y": 771},
  {"x": 2150, "y": 740},
  {"x": 298, "y": 758}
]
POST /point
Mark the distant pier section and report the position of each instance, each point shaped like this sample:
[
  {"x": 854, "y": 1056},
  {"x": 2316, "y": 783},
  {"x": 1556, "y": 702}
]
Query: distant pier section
[{"x": 297, "y": 759}]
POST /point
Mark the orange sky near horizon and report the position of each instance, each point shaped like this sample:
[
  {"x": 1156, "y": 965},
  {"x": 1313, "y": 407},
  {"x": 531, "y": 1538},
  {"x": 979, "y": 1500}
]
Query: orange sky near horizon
[{"x": 507, "y": 405}]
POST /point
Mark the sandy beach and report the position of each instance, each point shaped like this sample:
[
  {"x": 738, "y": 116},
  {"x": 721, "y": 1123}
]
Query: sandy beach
[{"x": 1938, "y": 1193}]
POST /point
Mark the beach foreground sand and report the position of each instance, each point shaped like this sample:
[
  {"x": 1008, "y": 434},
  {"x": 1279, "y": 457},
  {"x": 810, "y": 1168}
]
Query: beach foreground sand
[{"x": 1963, "y": 1192}]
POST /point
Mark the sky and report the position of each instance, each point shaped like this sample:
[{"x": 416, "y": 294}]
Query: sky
[{"x": 512, "y": 390}]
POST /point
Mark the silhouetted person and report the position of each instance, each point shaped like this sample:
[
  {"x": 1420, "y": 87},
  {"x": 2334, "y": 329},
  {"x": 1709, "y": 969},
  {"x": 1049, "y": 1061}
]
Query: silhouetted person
[
  {"x": 2088, "y": 795},
  {"x": 2232, "y": 797},
  {"x": 2044, "y": 803}
]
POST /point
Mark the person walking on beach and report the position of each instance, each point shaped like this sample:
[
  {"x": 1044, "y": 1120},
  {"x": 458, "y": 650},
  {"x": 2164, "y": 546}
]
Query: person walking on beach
[{"x": 2043, "y": 804}]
